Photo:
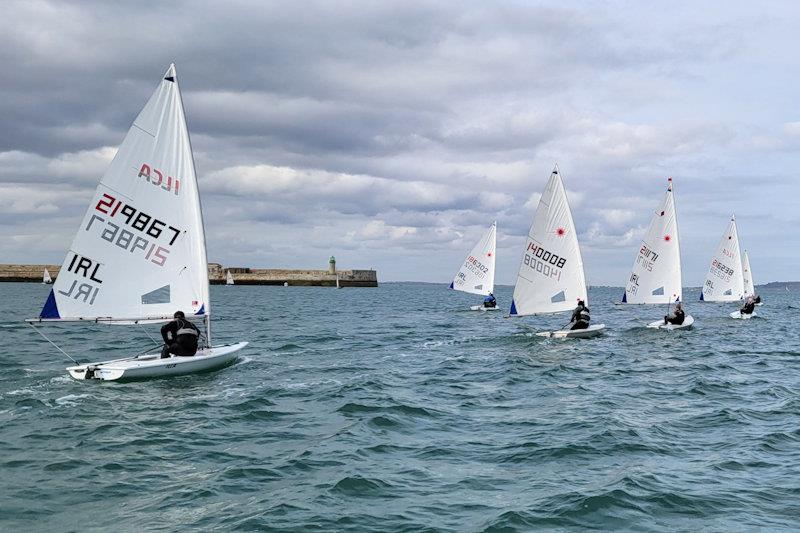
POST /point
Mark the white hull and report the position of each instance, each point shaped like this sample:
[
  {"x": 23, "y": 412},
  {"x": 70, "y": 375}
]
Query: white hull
[
  {"x": 482, "y": 308},
  {"x": 152, "y": 366},
  {"x": 738, "y": 315},
  {"x": 591, "y": 331},
  {"x": 688, "y": 322}
]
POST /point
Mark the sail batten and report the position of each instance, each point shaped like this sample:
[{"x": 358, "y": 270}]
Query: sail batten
[
  {"x": 724, "y": 281},
  {"x": 476, "y": 275},
  {"x": 551, "y": 277},
  {"x": 143, "y": 230},
  {"x": 655, "y": 277}
]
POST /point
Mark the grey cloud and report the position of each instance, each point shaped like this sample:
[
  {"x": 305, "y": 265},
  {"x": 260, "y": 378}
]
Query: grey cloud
[{"x": 406, "y": 128}]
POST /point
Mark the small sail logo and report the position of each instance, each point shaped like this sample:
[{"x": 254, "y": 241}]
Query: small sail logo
[{"x": 156, "y": 177}]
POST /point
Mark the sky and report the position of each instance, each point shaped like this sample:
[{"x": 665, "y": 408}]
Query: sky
[{"x": 391, "y": 134}]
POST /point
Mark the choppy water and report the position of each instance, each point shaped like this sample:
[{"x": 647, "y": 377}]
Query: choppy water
[{"x": 393, "y": 409}]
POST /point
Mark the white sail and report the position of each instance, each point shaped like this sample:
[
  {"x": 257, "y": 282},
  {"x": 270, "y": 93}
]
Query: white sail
[
  {"x": 46, "y": 277},
  {"x": 476, "y": 275},
  {"x": 140, "y": 250},
  {"x": 656, "y": 274},
  {"x": 229, "y": 278},
  {"x": 551, "y": 277},
  {"x": 724, "y": 280},
  {"x": 747, "y": 277}
]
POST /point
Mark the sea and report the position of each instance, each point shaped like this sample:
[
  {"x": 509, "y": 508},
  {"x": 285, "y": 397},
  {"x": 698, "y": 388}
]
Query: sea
[{"x": 397, "y": 409}]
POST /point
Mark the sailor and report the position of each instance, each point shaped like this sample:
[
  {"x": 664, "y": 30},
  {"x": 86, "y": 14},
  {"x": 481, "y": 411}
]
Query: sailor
[
  {"x": 677, "y": 317},
  {"x": 748, "y": 307},
  {"x": 757, "y": 298},
  {"x": 490, "y": 301},
  {"x": 580, "y": 316},
  {"x": 180, "y": 337}
]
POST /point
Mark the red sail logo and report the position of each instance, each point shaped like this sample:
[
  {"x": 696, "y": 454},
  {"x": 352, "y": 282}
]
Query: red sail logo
[{"x": 156, "y": 177}]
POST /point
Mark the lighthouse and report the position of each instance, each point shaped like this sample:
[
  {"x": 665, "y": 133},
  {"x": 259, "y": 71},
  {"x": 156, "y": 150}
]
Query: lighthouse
[{"x": 332, "y": 265}]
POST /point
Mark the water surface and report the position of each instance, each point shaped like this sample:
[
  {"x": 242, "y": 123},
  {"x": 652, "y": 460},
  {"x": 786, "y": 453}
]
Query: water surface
[{"x": 396, "y": 409}]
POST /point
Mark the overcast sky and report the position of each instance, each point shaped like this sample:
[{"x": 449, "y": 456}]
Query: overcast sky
[{"x": 392, "y": 134}]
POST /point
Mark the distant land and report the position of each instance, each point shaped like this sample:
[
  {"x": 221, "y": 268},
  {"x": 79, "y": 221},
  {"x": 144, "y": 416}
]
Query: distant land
[{"x": 781, "y": 284}]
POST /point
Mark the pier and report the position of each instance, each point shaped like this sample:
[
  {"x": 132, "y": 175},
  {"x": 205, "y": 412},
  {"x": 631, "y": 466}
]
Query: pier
[{"x": 241, "y": 275}]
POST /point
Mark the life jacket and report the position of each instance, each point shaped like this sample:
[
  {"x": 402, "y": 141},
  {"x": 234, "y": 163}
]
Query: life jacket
[{"x": 187, "y": 333}]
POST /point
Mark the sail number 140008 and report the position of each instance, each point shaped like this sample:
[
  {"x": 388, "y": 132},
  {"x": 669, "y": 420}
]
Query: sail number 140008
[{"x": 543, "y": 261}]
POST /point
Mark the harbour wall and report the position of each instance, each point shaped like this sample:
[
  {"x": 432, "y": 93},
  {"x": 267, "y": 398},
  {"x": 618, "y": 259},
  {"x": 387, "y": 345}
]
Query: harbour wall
[{"x": 217, "y": 275}]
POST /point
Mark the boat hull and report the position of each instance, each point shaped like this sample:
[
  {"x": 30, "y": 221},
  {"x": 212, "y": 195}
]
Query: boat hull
[
  {"x": 152, "y": 366},
  {"x": 592, "y": 331},
  {"x": 482, "y": 308},
  {"x": 740, "y": 316},
  {"x": 688, "y": 322}
]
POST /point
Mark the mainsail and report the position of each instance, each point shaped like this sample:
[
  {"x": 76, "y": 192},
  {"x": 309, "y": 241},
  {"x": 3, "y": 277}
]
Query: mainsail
[
  {"x": 229, "y": 278},
  {"x": 46, "y": 277},
  {"x": 140, "y": 251},
  {"x": 747, "y": 277},
  {"x": 551, "y": 277},
  {"x": 656, "y": 274},
  {"x": 476, "y": 275},
  {"x": 724, "y": 280}
]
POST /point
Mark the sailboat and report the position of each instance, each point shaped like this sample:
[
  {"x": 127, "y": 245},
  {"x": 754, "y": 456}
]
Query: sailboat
[
  {"x": 476, "y": 275},
  {"x": 337, "y": 282},
  {"x": 229, "y": 278},
  {"x": 656, "y": 273},
  {"x": 140, "y": 253},
  {"x": 551, "y": 277},
  {"x": 724, "y": 281},
  {"x": 46, "y": 279},
  {"x": 747, "y": 278}
]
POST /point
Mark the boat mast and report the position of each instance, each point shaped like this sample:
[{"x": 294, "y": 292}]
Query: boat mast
[{"x": 207, "y": 315}]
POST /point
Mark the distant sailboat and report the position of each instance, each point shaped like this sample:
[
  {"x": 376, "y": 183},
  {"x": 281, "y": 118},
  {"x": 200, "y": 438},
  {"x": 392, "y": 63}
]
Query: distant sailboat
[
  {"x": 655, "y": 277},
  {"x": 46, "y": 279},
  {"x": 551, "y": 277},
  {"x": 140, "y": 253},
  {"x": 724, "y": 282},
  {"x": 229, "y": 278},
  {"x": 337, "y": 282},
  {"x": 476, "y": 275},
  {"x": 747, "y": 277}
]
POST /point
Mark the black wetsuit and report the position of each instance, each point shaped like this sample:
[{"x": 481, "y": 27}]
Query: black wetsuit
[
  {"x": 678, "y": 316},
  {"x": 748, "y": 308},
  {"x": 180, "y": 338},
  {"x": 757, "y": 300},
  {"x": 581, "y": 317},
  {"x": 490, "y": 301}
]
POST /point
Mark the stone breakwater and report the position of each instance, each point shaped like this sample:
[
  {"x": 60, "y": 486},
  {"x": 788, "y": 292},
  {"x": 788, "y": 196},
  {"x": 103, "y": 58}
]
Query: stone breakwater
[{"x": 217, "y": 275}]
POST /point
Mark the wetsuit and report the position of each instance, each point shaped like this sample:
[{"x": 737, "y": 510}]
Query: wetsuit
[
  {"x": 490, "y": 301},
  {"x": 581, "y": 317},
  {"x": 748, "y": 308},
  {"x": 678, "y": 316},
  {"x": 180, "y": 338},
  {"x": 757, "y": 300}
]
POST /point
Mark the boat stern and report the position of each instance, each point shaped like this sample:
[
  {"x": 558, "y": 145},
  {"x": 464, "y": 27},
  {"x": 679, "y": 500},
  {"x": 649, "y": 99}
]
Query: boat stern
[{"x": 84, "y": 372}]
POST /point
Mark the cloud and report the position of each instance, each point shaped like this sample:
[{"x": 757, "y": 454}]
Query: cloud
[{"x": 398, "y": 132}]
